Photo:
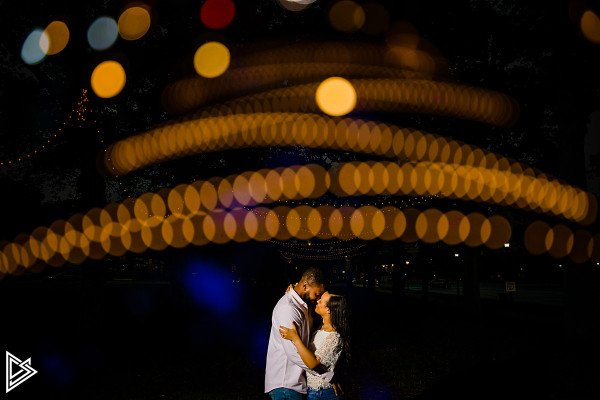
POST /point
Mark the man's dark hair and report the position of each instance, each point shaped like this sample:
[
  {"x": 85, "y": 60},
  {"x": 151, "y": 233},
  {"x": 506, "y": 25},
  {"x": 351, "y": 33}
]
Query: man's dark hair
[{"x": 313, "y": 276}]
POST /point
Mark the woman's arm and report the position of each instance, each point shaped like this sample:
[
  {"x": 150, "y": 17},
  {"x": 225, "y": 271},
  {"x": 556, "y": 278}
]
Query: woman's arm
[{"x": 307, "y": 356}]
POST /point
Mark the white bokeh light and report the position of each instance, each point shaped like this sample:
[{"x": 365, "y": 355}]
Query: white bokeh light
[
  {"x": 102, "y": 33},
  {"x": 35, "y": 47}
]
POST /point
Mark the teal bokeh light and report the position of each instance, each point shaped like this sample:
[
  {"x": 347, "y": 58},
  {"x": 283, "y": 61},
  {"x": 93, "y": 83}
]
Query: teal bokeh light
[
  {"x": 102, "y": 33},
  {"x": 33, "y": 51}
]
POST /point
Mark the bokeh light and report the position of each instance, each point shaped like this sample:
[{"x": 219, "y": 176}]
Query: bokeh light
[
  {"x": 217, "y": 14},
  {"x": 559, "y": 241},
  {"x": 35, "y": 47},
  {"x": 269, "y": 77},
  {"x": 133, "y": 23},
  {"x": 582, "y": 246},
  {"x": 292, "y": 5},
  {"x": 496, "y": 231},
  {"x": 427, "y": 225},
  {"x": 470, "y": 174},
  {"x": 449, "y": 227},
  {"x": 336, "y": 96},
  {"x": 382, "y": 95},
  {"x": 214, "y": 211},
  {"x": 470, "y": 229},
  {"x": 102, "y": 33},
  {"x": 58, "y": 36},
  {"x": 210, "y": 287},
  {"x": 536, "y": 237},
  {"x": 590, "y": 26},
  {"x": 108, "y": 79},
  {"x": 346, "y": 16},
  {"x": 211, "y": 59}
]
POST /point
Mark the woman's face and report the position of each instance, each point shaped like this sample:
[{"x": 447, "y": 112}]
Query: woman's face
[{"x": 321, "y": 307}]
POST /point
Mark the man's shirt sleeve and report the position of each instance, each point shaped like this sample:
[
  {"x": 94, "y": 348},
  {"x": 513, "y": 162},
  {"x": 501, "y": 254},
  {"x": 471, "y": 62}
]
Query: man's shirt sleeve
[{"x": 284, "y": 317}]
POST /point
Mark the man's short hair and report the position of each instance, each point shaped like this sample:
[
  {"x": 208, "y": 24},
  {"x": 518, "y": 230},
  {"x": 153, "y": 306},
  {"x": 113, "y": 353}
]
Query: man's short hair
[{"x": 313, "y": 276}]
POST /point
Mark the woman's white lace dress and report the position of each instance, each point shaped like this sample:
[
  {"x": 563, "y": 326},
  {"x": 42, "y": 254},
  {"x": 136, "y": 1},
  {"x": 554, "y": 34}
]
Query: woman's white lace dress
[{"x": 328, "y": 347}]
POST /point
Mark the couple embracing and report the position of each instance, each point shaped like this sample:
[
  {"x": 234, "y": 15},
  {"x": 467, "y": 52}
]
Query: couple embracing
[{"x": 302, "y": 353}]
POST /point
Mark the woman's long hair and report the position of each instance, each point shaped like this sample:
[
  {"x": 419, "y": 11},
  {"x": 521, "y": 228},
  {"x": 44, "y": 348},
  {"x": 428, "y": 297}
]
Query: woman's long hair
[{"x": 339, "y": 311}]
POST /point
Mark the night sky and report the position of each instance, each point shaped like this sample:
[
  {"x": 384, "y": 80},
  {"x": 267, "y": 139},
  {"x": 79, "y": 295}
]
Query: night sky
[{"x": 536, "y": 54}]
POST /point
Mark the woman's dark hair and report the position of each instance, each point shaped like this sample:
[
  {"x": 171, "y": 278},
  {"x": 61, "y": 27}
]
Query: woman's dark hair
[{"x": 339, "y": 311}]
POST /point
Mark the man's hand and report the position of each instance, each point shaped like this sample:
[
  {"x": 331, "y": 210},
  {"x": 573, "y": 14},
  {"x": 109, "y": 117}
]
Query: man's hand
[{"x": 337, "y": 388}]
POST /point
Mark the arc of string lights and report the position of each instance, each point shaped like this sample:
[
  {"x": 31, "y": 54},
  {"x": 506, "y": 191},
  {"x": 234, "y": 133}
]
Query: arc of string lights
[
  {"x": 141, "y": 225},
  {"x": 309, "y": 130},
  {"x": 212, "y": 211},
  {"x": 194, "y": 92},
  {"x": 322, "y": 257},
  {"x": 307, "y": 233},
  {"x": 460, "y": 171},
  {"x": 560, "y": 241},
  {"x": 404, "y": 203},
  {"x": 315, "y": 248},
  {"x": 262, "y": 69},
  {"x": 148, "y": 220},
  {"x": 393, "y": 55},
  {"x": 305, "y": 245},
  {"x": 77, "y": 117},
  {"x": 377, "y": 95},
  {"x": 329, "y": 251}
]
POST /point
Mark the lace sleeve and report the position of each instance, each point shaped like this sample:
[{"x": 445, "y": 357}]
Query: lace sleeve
[{"x": 330, "y": 350}]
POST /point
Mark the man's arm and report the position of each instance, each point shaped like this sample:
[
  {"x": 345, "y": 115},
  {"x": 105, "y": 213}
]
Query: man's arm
[
  {"x": 307, "y": 356},
  {"x": 283, "y": 317}
]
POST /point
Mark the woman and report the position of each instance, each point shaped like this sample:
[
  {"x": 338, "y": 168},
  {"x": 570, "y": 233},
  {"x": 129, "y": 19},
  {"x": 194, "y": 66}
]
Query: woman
[{"x": 327, "y": 346}]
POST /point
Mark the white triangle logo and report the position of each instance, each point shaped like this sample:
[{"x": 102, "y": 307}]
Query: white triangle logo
[{"x": 22, "y": 371}]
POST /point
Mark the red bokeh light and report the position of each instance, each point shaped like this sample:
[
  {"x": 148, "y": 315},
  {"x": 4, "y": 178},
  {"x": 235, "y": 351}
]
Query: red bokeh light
[{"x": 217, "y": 14}]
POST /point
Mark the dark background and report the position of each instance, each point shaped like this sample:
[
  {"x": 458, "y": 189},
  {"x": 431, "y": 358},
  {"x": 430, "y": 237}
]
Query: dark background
[{"x": 180, "y": 337}]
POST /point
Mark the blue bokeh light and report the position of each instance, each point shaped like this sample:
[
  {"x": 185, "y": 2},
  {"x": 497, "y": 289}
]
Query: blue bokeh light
[
  {"x": 212, "y": 288},
  {"x": 32, "y": 52},
  {"x": 102, "y": 33}
]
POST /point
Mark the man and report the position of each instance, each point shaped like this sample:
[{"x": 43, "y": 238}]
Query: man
[{"x": 285, "y": 371}]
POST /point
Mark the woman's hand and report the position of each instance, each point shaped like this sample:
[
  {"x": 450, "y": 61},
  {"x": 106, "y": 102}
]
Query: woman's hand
[
  {"x": 289, "y": 333},
  {"x": 337, "y": 389},
  {"x": 289, "y": 287}
]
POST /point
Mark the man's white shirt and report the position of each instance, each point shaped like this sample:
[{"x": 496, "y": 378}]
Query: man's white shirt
[{"x": 284, "y": 365}]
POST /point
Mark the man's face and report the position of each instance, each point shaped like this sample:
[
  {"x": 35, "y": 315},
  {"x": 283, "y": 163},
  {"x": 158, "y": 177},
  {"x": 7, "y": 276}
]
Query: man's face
[{"x": 313, "y": 293}]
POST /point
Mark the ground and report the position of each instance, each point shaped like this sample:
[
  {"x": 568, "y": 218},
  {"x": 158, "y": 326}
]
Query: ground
[{"x": 150, "y": 342}]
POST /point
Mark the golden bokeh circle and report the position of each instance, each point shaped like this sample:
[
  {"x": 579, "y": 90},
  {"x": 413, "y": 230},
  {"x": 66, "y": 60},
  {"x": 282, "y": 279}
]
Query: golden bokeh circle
[
  {"x": 336, "y": 96},
  {"x": 133, "y": 23},
  {"x": 212, "y": 59},
  {"x": 108, "y": 79}
]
